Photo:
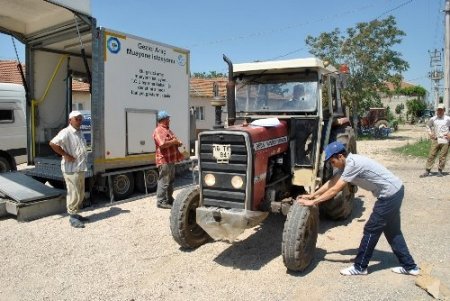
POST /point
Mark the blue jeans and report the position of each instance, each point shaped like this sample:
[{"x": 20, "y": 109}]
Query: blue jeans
[
  {"x": 165, "y": 183},
  {"x": 385, "y": 218}
]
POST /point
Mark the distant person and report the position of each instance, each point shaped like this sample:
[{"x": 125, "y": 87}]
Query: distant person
[
  {"x": 438, "y": 130},
  {"x": 70, "y": 144},
  {"x": 297, "y": 102},
  {"x": 385, "y": 217},
  {"x": 167, "y": 154}
]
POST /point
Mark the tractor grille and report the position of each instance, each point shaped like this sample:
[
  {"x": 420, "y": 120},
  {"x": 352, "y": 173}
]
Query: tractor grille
[{"x": 222, "y": 194}]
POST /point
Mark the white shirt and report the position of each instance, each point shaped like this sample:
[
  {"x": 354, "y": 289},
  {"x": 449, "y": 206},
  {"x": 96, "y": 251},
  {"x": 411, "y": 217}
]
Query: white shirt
[
  {"x": 72, "y": 142},
  {"x": 440, "y": 127}
]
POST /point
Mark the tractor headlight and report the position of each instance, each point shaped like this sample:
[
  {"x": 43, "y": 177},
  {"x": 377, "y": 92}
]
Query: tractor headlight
[
  {"x": 237, "y": 182},
  {"x": 209, "y": 179}
]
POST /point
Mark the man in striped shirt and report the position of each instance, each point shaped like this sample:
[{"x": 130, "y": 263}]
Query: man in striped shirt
[
  {"x": 70, "y": 144},
  {"x": 167, "y": 154}
]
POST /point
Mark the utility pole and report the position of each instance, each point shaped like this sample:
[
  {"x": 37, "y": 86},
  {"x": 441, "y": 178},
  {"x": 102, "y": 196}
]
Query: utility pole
[
  {"x": 436, "y": 74},
  {"x": 447, "y": 57}
]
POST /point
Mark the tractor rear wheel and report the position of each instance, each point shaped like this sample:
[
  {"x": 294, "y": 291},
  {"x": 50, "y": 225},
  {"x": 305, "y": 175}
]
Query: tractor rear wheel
[
  {"x": 341, "y": 206},
  {"x": 183, "y": 225},
  {"x": 381, "y": 124},
  {"x": 300, "y": 236}
]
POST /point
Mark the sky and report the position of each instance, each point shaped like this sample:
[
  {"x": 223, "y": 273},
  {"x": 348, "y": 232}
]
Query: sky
[{"x": 251, "y": 30}]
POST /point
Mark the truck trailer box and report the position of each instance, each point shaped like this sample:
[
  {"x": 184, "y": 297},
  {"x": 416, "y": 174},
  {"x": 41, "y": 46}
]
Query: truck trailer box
[{"x": 130, "y": 80}]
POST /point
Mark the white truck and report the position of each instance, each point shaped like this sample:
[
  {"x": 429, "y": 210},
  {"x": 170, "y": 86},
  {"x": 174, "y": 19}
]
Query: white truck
[
  {"x": 13, "y": 137},
  {"x": 130, "y": 78}
]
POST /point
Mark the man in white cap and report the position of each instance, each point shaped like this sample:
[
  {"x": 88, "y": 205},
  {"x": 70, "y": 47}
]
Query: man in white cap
[
  {"x": 70, "y": 144},
  {"x": 438, "y": 130},
  {"x": 167, "y": 154}
]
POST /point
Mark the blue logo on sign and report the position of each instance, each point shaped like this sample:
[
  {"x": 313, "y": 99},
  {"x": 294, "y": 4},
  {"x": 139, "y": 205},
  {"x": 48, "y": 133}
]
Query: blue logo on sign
[
  {"x": 113, "y": 44},
  {"x": 181, "y": 60}
]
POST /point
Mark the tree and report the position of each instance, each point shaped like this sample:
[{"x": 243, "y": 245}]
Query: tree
[
  {"x": 211, "y": 74},
  {"x": 415, "y": 107},
  {"x": 367, "y": 49}
]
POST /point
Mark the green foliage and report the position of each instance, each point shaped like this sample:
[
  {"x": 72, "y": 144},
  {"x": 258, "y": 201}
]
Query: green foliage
[
  {"x": 418, "y": 149},
  {"x": 399, "y": 108},
  {"x": 413, "y": 91},
  {"x": 211, "y": 74},
  {"x": 367, "y": 49},
  {"x": 415, "y": 107}
]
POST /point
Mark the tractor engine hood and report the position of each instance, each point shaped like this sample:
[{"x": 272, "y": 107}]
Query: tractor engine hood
[{"x": 268, "y": 138}]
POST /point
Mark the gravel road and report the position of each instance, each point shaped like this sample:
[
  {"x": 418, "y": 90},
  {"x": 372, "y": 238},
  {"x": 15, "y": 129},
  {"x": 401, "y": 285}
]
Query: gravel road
[{"x": 126, "y": 252}]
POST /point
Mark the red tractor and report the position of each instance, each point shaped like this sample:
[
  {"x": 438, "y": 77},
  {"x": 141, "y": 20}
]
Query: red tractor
[{"x": 281, "y": 114}]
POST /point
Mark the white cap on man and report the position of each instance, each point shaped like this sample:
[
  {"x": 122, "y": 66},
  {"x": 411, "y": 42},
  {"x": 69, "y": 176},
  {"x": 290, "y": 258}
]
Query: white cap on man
[
  {"x": 74, "y": 114},
  {"x": 441, "y": 106}
]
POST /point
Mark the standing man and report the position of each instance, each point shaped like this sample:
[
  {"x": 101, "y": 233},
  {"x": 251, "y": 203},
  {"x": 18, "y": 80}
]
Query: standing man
[
  {"x": 385, "y": 218},
  {"x": 70, "y": 144},
  {"x": 438, "y": 130},
  {"x": 167, "y": 154}
]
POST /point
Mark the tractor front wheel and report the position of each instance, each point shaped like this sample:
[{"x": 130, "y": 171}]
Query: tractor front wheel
[
  {"x": 183, "y": 225},
  {"x": 300, "y": 236}
]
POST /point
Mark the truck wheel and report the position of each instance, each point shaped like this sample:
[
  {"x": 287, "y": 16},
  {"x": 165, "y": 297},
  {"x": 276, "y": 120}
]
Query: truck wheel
[
  {"x": 299, "y": 236},
  {"x": 151, "y": 177},
  {"x": 341, "y": 206},
  {"x": 185, "y": 230},
  {"x": 4, "y": 165},
  {"x": 123, "y": 185}
]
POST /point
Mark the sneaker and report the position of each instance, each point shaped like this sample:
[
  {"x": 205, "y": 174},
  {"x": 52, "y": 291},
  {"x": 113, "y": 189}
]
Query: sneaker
[
  {"x": 402, "y": 270},
  {"x": 164, "y": 205},
  {"x": 440, "y": 174},
  {"x": 352, "y": 271},
  {"x": 76, "y": 223},
  {"x": 425, "y": 174}
]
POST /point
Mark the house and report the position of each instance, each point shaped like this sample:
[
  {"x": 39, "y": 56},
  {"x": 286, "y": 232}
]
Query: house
[
  {"x": 200, "y": 96},
  {"x": 392, "y": 99}
]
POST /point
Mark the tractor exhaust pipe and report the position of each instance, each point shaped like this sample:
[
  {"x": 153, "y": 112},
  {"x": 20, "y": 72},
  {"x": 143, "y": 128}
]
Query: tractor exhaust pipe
[{"x": 231, "y": 105}]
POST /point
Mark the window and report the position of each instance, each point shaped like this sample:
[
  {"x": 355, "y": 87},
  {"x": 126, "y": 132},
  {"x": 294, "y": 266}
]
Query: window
[
  {"x": 6, "y": 116},
  {"x": 199, "y": 113},
  {"x": 77, "y": 106}
]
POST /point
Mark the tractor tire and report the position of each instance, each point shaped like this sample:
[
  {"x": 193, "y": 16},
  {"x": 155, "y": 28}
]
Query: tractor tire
[
  {"x": 381, "y": 124},
  {"x": 151, "y": 177},
  {"x": 341, "y": 206},
  {"x": 122, "y": 185},
  {"x": 183, "y": 225},
  {"x": 300, "y": 237},
  {"x": 4, "y": 165}
]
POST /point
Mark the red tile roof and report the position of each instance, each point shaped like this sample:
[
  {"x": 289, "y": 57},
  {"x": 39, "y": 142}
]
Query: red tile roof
[
  {"x": 391, "y": 86},
  {"x": 203, "y": 87},
  {"x": 10, "y": 74}
]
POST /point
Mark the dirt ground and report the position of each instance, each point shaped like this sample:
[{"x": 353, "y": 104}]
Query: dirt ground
[{"x": 126, "y": 251}]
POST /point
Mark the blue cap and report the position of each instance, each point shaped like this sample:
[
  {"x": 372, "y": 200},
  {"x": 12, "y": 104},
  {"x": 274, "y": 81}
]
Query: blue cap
[
  {"x": 162, "y": 115},
  {"x": 333, "y": 148}
]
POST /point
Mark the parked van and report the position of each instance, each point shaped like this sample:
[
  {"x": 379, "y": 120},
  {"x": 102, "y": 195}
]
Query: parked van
[{"x": 13, "y": 136}]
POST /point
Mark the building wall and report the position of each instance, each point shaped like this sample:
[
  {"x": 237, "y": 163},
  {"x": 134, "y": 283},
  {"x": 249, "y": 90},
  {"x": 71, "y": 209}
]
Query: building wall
[
  {"x": 83, "y": 98},
  {"x": 208, "y": 110}
]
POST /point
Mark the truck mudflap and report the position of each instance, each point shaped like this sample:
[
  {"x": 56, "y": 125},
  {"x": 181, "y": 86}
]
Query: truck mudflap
[{"x": 227, "y": 224}]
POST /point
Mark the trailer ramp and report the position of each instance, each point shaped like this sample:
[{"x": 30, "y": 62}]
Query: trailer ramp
[{"x": 27, "y": 198}]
